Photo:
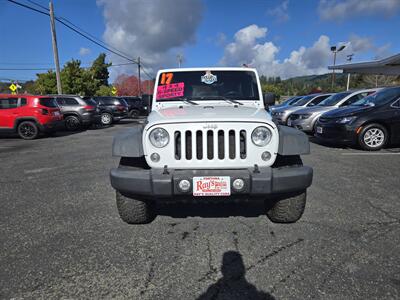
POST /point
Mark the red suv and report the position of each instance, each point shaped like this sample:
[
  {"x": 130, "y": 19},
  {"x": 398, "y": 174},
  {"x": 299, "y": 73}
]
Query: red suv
[{"x": 29, "y": 115}]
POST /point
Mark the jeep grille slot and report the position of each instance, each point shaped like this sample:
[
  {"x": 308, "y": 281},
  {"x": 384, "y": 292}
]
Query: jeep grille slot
[{"x": 210, "y": 144}]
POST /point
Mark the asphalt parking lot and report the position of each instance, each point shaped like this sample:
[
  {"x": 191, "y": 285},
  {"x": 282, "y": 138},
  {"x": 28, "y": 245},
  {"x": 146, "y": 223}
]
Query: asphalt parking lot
[{"x": 61, "y": 236}]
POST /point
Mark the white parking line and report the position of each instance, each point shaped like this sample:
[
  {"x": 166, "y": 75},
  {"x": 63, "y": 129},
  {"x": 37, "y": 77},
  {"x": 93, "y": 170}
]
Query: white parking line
[{"x": 371, "y": 153}]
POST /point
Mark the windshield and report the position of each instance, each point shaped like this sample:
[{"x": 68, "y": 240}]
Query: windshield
[
  {"x": 333, "y": 100},
  {"x": 379, "y": 98},
  {"x": 303, "y": 101},
  {"x": 207, "y": 85}
]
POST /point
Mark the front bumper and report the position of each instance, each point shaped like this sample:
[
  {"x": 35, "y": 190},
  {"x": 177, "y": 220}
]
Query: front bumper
[
  {"x": 301, "y": 124},
  {"x": 336, "y": 133},
  {"x": 159, "y": 183}
]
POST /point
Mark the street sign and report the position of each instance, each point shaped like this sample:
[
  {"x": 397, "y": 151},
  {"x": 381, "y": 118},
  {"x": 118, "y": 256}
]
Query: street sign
[
  {"x": 114, "y": 90},
  {"x": 13, "y": 88}
]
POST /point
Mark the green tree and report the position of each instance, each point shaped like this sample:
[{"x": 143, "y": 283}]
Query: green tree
[
  {"x": 99, "y": 70},
  {"x": 104, "y": 90},
  {"x": 45, "y": 83}
]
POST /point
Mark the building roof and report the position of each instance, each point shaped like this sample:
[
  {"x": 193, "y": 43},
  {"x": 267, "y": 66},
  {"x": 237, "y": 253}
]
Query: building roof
[{"x": 386, "y": 66}]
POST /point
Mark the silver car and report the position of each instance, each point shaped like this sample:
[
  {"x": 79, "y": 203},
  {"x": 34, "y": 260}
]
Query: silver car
[
  {"x": 280, "y": 115},
  {"x": 306, "y": 118},
  {"x": 288, "y": 102}
]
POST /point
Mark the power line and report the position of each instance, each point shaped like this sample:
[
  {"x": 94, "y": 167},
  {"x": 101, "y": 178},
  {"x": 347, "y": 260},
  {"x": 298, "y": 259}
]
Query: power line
[
  {"x": 75, "y": 30},
  {"x": 79, "y": 31}
]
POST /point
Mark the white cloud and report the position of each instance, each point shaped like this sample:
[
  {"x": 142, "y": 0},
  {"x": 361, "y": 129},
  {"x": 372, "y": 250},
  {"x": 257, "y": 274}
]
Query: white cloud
[
  {"x": 280, "y": 12},
  {"x": 84, "y": 51},
  {"x": 154, "y": 30},
  {"x": 337, "y": 10},
  {"x": 248, "y": 47}
]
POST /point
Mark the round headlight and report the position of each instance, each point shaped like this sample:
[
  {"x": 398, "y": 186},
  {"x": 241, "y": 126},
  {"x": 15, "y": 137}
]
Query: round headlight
[
  {"x": 261, "y": 136},
  {"x": 159, "y": 137}
]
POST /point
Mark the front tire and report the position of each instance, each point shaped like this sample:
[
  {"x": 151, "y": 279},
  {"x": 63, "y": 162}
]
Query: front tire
[
  {"x": 133, "y": 211},
  {"x": 288, "y": 209},
  {"x": 134, "y": 114},
  {"x": 106, "y": 119},
  {"x": 28, "y": 130},
  {"x": 373, "y": 137}
]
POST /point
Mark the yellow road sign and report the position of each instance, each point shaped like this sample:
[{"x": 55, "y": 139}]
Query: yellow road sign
[
  {"x": 13, "y": 87},
  {"x": 114, "y": 90}
]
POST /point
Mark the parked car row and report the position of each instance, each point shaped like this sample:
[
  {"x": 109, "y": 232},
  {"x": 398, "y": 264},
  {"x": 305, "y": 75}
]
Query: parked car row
[
  {"x": 368, "y": 118},
  {"x": 31, "y": 115}
]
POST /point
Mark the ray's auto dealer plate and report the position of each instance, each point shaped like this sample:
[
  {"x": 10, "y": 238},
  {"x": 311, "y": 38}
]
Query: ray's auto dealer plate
[{"x": 212, "y": 186}]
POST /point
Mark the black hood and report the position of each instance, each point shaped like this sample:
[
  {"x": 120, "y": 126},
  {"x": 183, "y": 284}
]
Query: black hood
[{"x": 347, "y": 111}]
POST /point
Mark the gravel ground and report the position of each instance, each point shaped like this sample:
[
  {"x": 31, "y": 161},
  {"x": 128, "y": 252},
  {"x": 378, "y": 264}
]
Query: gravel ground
[{"x": 61, "y": 236}]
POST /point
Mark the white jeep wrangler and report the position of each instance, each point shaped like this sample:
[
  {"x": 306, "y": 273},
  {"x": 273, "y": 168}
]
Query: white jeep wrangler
[{"x": 210, "y": 138}]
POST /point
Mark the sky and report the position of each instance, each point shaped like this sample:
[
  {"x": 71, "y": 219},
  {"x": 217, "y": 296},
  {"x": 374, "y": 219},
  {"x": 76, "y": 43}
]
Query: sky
[{"x": 279, "y": 38}]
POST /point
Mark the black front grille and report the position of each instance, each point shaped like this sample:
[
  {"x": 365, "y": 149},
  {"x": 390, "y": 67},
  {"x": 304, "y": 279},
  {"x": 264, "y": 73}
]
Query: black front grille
[
  {"x": 294, "y": 117},
  {"x": 207, "y": 139}
]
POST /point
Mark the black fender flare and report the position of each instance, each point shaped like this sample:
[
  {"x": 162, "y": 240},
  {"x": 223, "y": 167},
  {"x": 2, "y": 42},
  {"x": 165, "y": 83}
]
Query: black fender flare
[
  {"x": 128, "y": 142},
  {"x": 292, "y": 141},
  {"x": 21, "y": 119}
]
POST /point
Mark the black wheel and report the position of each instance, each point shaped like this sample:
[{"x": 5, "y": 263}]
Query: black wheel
[
  {"x": 28, "y": 130},
  {"x": 134, "y": 113},
  {"x": 373, "y": 137},
  {"x": 287, "y": 208},
  {"x": 134, "y": 211},
  {"x": 106, "y": 119},
  {"x": 72, "y": 123}
]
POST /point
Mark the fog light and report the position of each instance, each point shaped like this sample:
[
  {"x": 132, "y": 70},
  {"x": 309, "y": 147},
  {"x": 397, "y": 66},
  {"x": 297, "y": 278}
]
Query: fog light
[
  {"x": 238, "y": 184},
  {"x": 184, "y": 185},
  {"x": 155, "y": 157},
  {"x": 265, "y": 156}
]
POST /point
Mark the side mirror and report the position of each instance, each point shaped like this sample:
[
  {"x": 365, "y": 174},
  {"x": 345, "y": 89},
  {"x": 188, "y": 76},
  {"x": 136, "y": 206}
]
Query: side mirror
[{"x": 269, "y": 99}]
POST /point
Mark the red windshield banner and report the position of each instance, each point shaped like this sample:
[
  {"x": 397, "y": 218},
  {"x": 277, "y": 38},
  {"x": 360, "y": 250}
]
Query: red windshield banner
[{"x": 170, "y": 90}]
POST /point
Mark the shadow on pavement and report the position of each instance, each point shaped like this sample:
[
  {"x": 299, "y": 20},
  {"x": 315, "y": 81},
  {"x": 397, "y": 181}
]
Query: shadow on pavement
[
  {"x": 233, "y": 284},
  {"x": 213, "y": 210}
]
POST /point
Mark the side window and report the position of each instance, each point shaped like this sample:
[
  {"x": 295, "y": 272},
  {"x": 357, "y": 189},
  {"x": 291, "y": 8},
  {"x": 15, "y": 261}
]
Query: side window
[
  {"x": 71, "y": 102},
  {"x": 22, "y": 102},
  {"x": 8, "y": 103},
  {"x": 317, "y": 100},
  {"x": 353, "y": 99},
  {"x": 60, "y": 101}
]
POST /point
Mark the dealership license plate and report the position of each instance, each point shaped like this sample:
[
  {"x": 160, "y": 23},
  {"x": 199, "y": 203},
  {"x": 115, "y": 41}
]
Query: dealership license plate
[
  {"x": 319, "y": 129},
  {"x": 289, "y": 123},
  {"x": 56, "y": 113},
  {"x": 212, "y": 186}
]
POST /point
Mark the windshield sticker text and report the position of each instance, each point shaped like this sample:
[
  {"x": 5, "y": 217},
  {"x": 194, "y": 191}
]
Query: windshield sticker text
[
  {"x": 173, "y": 90},
  {"x": 208, "y": 78},
  {"x": 166, "y": 78}
]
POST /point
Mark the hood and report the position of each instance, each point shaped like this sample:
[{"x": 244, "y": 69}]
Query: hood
[
  {"x": 205, "y": 113},
  {"x": 288, "y": 109},
  {"x": 315, "y": 109},
  {"x": 347, "y": 111}
]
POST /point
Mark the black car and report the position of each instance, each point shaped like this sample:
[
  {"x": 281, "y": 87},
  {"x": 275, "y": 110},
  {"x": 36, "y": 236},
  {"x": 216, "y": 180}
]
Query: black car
[
  {"x": 371, "y": 122},
  {"x": 137, "y": 106},
  {"x": 111, "y": 109},
  {"x": 78, "y": 112}
]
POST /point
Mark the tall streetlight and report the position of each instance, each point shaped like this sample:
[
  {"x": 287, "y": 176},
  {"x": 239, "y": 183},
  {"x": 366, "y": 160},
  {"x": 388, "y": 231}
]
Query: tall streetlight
[
  {"x": 335, "y": 50},
  {"x": 349, "y": 58}
]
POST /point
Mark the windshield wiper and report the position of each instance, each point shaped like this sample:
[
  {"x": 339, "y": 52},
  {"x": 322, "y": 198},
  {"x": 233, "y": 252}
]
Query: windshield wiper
[
  {"x": 183, "y": 99},
  {"x": 231, "y": 101}
]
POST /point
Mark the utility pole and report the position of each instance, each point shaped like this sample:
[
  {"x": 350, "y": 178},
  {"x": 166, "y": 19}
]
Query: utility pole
[
  {"x": 55, "y": 48},
  {"x": 335, "y": 50},
  {"x": 349, "y": 58},
  {"x": 139, "y": 80},
  {"x": 180, "y": 59}
]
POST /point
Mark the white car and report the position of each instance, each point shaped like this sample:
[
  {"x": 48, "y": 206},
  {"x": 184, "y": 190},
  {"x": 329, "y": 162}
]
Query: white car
[{"x": 209, "y": 138}]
